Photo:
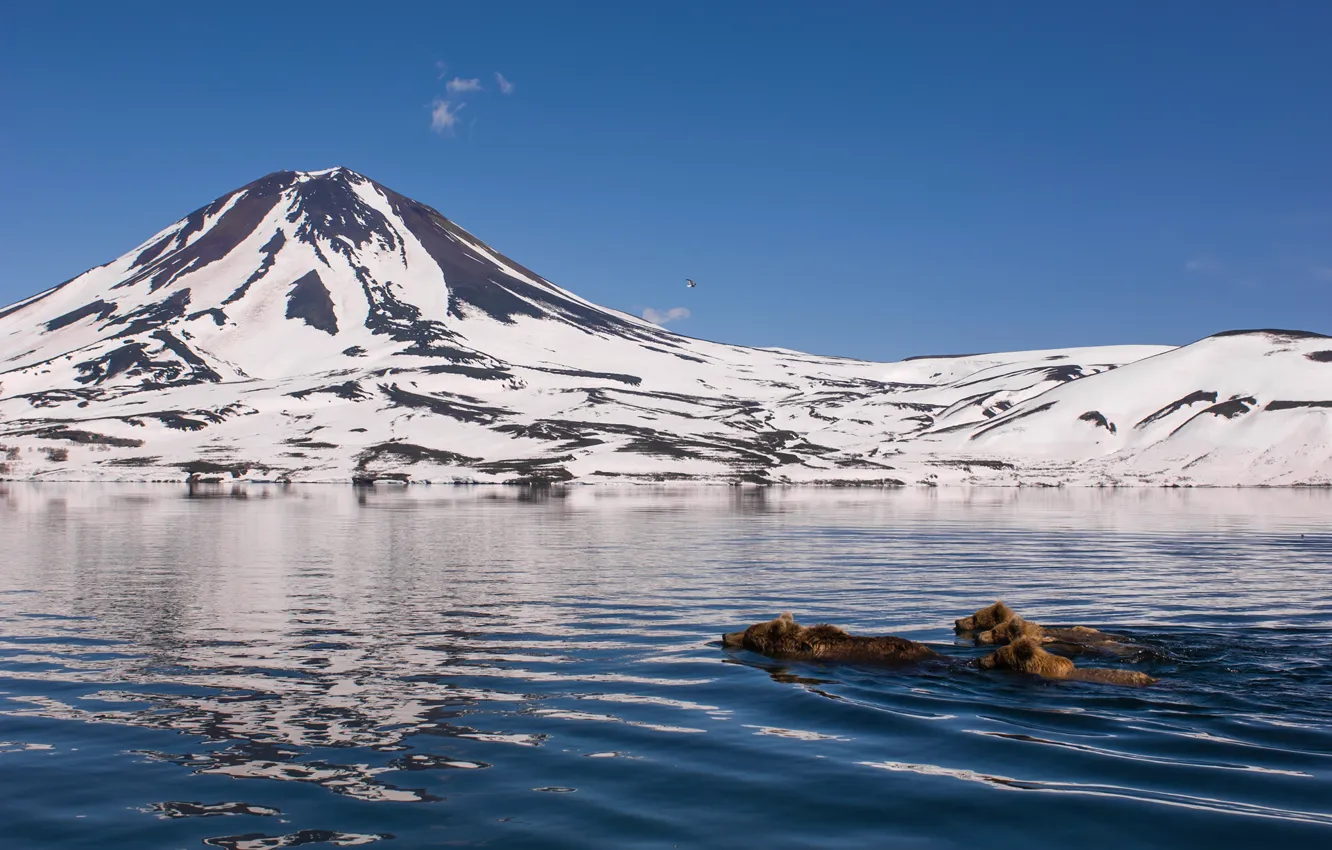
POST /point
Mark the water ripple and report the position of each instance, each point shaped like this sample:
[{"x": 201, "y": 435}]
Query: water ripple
[
  {"x": 441, "y": 665},
  {"x": 1182, "y": 800}
]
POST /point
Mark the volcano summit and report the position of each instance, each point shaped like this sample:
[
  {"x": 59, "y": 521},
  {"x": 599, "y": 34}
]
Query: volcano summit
[{"x": 316, "y": 326}]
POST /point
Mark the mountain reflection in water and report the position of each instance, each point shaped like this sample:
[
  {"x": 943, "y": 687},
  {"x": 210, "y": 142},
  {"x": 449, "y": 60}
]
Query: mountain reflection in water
[{"x": 542, "y": 668}]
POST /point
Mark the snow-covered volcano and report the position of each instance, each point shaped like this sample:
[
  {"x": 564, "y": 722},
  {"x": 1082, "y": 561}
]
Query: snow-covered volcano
[{"x": 316, "y": 326}]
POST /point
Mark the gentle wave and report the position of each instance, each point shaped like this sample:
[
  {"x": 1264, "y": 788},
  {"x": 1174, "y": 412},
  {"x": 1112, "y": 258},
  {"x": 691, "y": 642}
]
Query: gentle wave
[{"x": 548, "y": 672}]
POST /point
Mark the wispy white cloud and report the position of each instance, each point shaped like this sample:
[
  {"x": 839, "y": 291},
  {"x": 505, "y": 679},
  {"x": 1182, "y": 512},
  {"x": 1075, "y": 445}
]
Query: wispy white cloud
[
  {"x": 661, "y": 317},
  {"x": 444, "y": 115},
  {"x": 1204, "y": 264},
  {"x": 444, "y": 110},
  {"x": 458, "y": 84}
]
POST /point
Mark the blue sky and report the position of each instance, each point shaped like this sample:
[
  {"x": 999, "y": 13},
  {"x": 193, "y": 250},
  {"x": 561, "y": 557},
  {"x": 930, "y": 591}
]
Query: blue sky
[{"x": 870, "y": 179}]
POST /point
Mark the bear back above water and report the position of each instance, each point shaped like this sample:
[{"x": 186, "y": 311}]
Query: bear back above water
[
  {"x": 787, "y": 639},
  {"x": 1027, "y": 656},
  {"x": 998, "y": 624}
]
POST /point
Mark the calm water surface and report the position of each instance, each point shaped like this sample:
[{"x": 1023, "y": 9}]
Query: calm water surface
[{"x": 445, "y": 667}]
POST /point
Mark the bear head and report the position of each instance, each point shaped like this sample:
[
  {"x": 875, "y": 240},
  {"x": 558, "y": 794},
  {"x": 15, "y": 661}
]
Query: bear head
[
  {"x": 783, "y": 636},
  {"x": 762, "y": 631},
  {"x": 1010, "y": 630},
  {"x": 1026, "y": 656},
  {"x": 985, "y": 618}
]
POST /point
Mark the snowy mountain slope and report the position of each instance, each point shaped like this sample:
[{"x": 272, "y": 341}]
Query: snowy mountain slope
[
  {"x": 317, "y": 326},
  {"x": 1239, "y": 406}
]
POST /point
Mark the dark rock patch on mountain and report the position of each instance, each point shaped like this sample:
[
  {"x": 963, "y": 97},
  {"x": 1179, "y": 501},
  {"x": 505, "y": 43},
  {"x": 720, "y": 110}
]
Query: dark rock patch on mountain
[
  {"x": 411, "y": 453},
  {"x": 1292, "y": 405},
  {"x": 631, "y": 380},
  {"x": 215, "y": 313},
  {"x": 175, "y": 254},
  {"x": 1010, "y": 419},
  {"x": 1187, "y": 401},
  {"x": 207, "y": 467},
  {"x": 1274, "y": 332},
  {"x": 1098, "y": 419},
  {"x": 99, "y": 308},
  {"x": 309, "y": 300},
  {"x": 199, "y": 368},
  {"x": 464, "y": 408},
  {"x": 350, "y": 390},
  {"x": 1228, "y": 409},
  {"x": 1232, "y": 408},
  {"x": 270, "y": 251},
  {"x": 87, "y": 438},
  {"x": 153, "y": 315},
  {"x": 481, "y": 373}
]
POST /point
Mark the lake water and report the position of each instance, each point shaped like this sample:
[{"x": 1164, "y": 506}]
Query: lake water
[{"x": 450, "y": 667}]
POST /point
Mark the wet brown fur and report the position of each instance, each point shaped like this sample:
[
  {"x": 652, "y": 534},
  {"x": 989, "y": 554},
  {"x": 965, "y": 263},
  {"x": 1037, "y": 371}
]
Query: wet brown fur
[
  {"x": 1026, "y": 655},
  {"x": 1072, "y": 640},
  {"x": 785, "y": 638},
  {"x": 985, "y": 618},
  {"x": 1077, "y": 640},
  {"x": 1010, "y": 630}
]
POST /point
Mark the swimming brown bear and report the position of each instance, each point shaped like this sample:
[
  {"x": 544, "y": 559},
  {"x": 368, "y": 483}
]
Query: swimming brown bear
[
  {"x": 998, "y": 624},
  {"x": 787, "y": 639},
  {"x": 1014, "y": 628},
  {"x": 1026, "y": 655},
  {"x": 986, "y": 618}
]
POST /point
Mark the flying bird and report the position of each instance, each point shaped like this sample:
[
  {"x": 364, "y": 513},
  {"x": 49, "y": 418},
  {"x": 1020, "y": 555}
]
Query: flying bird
[{"x": 689, "y": 283}]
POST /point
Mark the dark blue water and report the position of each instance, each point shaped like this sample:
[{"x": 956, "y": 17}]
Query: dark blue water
[{"x": 445, "y": 667}]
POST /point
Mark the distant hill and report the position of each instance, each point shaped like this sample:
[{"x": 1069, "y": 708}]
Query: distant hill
[{"x": 317, "y": 326}]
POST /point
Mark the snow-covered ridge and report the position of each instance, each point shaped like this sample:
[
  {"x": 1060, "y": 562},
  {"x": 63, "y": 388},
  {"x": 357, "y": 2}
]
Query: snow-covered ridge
[{"x": 316, "y": 326}]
